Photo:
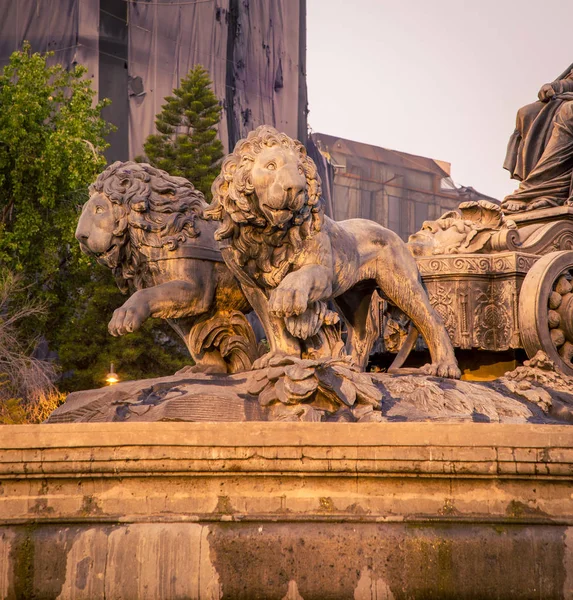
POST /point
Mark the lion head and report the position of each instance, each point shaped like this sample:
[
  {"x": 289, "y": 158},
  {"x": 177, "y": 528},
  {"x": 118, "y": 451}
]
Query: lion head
[
  {"x": 473, "y": 229},
  {"x": 133, "y": 205},
  {"x": 268, "y": 199}
]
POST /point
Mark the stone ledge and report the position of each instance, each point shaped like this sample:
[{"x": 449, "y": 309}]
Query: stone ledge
[
  {"x": 400, "y": 449},
  {"x": 205, "y": 472},
  {"x": 66, "y": 435},
  {"x": 165, "y": 510}
]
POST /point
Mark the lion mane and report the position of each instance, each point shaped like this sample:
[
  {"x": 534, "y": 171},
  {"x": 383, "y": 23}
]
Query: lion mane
[
  {"x": 266, "y": 252},
  {"x": 151, "y": 208}
]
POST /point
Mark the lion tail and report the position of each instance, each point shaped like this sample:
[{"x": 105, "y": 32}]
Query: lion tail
[{"x": 231, "y": 334}]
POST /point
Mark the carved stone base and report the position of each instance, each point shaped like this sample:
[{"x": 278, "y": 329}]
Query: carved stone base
[{"x": 307, "y": 390}]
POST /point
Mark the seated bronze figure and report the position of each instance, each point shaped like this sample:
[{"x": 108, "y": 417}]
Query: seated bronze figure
[{"x": 540, "y": 151}]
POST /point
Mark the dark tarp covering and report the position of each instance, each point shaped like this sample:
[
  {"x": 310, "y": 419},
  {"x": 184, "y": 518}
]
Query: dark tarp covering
[
  {"x": 69, "y": 28},
  {"x": 254, "y": 51}
]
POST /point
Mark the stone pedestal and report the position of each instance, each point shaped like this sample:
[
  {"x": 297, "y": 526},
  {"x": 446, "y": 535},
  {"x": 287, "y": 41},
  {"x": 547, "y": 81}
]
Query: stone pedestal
[{"x": 286, "y": 510}]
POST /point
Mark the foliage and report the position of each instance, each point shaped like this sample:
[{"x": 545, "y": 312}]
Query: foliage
[
  {"x": 27, "y": 391},
  {"x": 51, "y": 144},
  {"x": 86, "y": 348},
  {"x": 187, "y": 143},
  {"x": 52, "y": 140}
]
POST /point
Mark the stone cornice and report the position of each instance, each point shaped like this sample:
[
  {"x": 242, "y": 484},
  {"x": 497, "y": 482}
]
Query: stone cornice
[{"x": 463, "y": 450}]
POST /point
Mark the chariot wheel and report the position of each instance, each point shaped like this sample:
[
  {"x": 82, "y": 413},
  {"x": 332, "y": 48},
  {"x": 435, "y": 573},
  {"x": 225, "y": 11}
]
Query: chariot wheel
[{"x": 546, "y": 309}]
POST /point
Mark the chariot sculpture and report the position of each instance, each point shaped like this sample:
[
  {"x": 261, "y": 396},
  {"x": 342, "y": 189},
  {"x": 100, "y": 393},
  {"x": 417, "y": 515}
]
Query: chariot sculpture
[{"x": 501, "y": 277}]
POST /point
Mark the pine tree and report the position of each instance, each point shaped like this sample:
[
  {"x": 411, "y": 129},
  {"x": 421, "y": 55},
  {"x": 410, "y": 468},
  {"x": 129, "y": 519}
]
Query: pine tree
[{"x": 187, "y": 143}]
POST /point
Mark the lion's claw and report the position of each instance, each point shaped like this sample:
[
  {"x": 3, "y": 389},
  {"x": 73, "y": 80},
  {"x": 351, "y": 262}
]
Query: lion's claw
[
  {"x": 288, "y": 302},
  {"x": 445, "y": 369},
  {"x": 127, "y": 319}
]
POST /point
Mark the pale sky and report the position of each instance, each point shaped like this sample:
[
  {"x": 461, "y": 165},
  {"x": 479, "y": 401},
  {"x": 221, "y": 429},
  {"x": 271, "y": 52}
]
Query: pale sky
[{"x": 439, "y": 78}]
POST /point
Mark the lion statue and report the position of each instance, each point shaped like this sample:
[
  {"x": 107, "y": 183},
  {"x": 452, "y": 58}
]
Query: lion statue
[
  {"x": 291, "y": 259},
  {"x": 148, "y": 227}
]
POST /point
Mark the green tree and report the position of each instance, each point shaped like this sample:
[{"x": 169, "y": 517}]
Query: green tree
[
  {"x": 86, "y": 348},
  {"x": 187, "y": 143},
  {"x": 52, "y": 140},
  {"x": 51, "y": 147}
]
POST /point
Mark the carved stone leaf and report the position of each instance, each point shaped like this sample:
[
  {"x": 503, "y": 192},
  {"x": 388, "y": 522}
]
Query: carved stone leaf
[
  {"x": 326, "y": 400},
  {"x": 368, "y": 393},
  {"x": 268, "y": 396},
  {"x": 366, "y": 414},
  {"x": 342, "y": 387},
  {"x": 283, "y": 395},
  {"x": 300, "y": 389},
  {"x": 256, "y": 386},
  {"x": 298, "y": 373},
  {"x": 304, "y": 412},
  {"x": 342, "y": 416},
  {"x": 328, "y": 379},
  {"x": 280, "y": 412},
  {"x": 308, "y": 363},
  {"x": 476, "y": 241},
  {"x": 362, "y": 378},
  {"x": 347, "y": 392},
  {"x": 310, "y": 414},
  {"x": 344, "y": 372},
  {"x": 275, "y": 373},
  {"x": 258, "y": 375},
  {"x": 282, "y": 361}
]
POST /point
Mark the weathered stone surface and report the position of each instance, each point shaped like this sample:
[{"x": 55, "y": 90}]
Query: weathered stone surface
[
  {"x": 184, "y": 397},
  {"x": 328, "y": 390},
  {"x": 247, "y": 510}
]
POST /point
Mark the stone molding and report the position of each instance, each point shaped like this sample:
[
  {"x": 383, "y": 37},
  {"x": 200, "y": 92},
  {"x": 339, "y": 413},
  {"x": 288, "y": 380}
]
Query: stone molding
[
  {"x": 199, "y": 510},
  {"x": 485, "y": 265},
  {"x": 131, "y": 449},
  {"x": 285, "y": 471}
]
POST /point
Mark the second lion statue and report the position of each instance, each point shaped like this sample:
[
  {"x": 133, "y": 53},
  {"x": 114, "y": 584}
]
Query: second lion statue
[
  {"x": 148, "y": 227},
  {"x": 291, "y": 259}
]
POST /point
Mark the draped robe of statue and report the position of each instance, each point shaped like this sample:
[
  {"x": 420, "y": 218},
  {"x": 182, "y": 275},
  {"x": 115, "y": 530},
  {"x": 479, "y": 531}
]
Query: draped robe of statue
[{"x": 540, "y": 151}]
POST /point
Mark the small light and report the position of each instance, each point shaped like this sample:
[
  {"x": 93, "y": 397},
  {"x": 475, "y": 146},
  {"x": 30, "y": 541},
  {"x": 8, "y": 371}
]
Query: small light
[{"x": 111, "y": 377}]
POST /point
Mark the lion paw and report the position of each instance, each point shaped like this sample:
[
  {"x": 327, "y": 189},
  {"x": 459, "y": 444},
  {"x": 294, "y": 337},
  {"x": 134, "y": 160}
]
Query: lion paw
[
  {"x": 128, "y": 318},
  {"x": 444, "y": 368},
  {"x": 288, "y": 302}
]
